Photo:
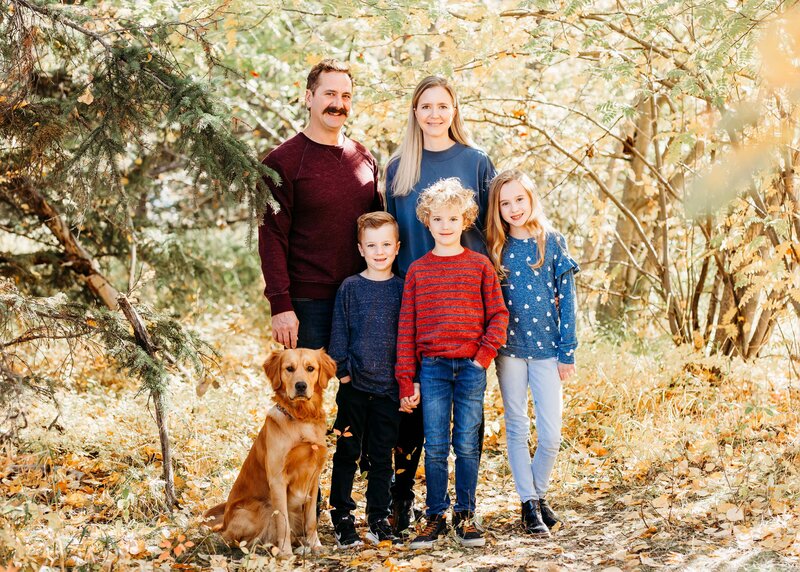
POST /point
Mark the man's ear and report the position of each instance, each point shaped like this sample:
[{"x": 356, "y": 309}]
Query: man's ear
[
  {"x": 308, "y": 98},
  {"x": 272, "y": 367},
  {"x": 327, "y": 369}
]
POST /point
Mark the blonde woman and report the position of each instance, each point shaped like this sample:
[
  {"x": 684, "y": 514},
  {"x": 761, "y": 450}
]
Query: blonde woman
[{"x": 435, "y": 146}]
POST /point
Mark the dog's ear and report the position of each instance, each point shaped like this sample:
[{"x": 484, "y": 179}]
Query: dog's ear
[
  {"x": 327, "y": 368},
  {"x": 272, "y": 367}
]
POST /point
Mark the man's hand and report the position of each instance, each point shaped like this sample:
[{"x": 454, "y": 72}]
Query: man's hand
[
  {"x": 345, "y": 379},
  {"x": 408, "y": 404},
  {"x": 565, "y": 370},
  {"x": 284, "y": 328}
]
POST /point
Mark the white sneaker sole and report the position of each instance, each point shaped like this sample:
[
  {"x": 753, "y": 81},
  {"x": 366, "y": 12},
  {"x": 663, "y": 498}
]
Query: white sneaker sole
[
  {"x": 372, "y": 538},
  {"x": 472, "y": 543},
  {"x": 422, "y": 544},
  {"x": 352, "y": 545}
]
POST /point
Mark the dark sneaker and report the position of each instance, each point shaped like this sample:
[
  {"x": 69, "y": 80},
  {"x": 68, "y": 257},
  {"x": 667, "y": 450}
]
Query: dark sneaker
[
  {"x": 531, "y": 519},
  {"x": 434, "y": 528},
  {"x": 345, "y": 532},
  {"x": 402, "y": 516},
  {"x": 548, "y": 516},
  {"x": 381, "y": 530},
  {"x": 467, "y": 532}
]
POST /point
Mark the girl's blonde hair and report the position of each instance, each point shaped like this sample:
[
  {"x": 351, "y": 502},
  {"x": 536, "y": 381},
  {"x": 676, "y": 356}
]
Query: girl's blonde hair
[
  {"x": 409, "y": 152},
  {"x": 445, "y": 193},
  {"x": 497, "y": 229}
]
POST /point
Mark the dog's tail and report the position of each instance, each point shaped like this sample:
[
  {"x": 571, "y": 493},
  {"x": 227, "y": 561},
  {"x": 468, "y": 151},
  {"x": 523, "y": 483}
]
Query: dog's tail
[{"x": 214, "y": 516}]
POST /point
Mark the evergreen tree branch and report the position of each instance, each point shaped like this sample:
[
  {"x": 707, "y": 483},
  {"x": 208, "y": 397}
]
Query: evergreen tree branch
[{"x": 63, "y": 20}]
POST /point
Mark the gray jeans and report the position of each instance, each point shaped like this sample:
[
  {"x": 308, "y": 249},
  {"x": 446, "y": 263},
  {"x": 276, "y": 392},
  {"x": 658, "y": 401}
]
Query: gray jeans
[{"x": 516, "y": 375}]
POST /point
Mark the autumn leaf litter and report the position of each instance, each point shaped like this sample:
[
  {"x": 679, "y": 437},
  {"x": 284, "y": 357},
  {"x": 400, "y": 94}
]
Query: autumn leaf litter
[{"x": 670, "y": 460}]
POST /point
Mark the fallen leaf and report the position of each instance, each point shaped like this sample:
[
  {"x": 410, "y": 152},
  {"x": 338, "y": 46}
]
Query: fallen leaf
[
  {"x": 661, "y": 502},
  {"x": 86, "y": 97},
  {"x": 735, "y": 514}
]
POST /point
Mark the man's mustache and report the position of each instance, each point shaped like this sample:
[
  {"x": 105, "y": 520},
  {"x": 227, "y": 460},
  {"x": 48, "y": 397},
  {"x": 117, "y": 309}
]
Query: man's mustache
[{"x": 332, "y": 109}]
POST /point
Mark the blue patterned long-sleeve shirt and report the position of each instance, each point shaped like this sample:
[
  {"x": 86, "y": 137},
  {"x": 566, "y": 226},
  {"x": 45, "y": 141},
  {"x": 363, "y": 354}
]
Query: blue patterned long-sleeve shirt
[{"x": 541, "y": 301}]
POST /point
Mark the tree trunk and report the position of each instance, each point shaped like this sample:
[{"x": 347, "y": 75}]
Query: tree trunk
[
  {"x": 143, "y": 339},
  {"x": 623, "y": 275},
  {"x": 30, "y": 201}
]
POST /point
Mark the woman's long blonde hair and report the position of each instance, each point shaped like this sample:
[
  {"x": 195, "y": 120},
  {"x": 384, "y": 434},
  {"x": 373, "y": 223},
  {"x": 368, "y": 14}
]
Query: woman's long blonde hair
[
  {"x": 497, "y": 229},
  {"x": 409, "y": 152}
]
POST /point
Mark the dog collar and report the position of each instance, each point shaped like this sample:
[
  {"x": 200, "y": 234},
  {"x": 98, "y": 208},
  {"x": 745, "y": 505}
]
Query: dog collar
[{"x": 282, "y": 410}]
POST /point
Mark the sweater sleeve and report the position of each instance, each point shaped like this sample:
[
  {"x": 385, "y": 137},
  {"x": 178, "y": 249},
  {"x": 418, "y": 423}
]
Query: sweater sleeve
[
  {"x": 273, "y": 241},
  {"x": 495, "y": 317},
  {"x": 388, "y": 195},
  {"x": 377, "y": 200},
  {"x": 406, "y": 366},
  {"x": 340, "y": 334},
  {"x": 486, "y": 173},
  {"x": 565, "y": 270}
]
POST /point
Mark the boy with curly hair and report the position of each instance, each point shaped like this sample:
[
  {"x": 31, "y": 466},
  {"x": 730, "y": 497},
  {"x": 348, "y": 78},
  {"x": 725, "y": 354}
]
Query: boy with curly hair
[{"x": 452, "y": 322}]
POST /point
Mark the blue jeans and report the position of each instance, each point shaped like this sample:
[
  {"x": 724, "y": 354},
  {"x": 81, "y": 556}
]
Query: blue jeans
[
  {"x": 451, "y": 388},
  {"x": 315, "y": 317},
  {"x": 517, "y": 376}
]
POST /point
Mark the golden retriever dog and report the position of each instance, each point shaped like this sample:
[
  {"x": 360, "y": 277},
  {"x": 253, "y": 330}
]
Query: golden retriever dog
[{"x": 274, "y": 497}]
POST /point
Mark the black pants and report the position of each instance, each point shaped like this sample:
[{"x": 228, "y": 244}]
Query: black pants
[
  {"x": 408, "y": 450},
  {"x": 406, "y": 454},
  {"x": 315, "y": 317},
  {"x": 357, "y": 411},
  {"x": 314, "y": 332}
]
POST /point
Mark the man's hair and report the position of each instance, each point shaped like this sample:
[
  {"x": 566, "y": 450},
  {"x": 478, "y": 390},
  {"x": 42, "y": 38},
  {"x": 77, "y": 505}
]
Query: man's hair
[
  {"x": 376, "y": 220},
  {"x": 328, "y": 65},
  {"x": 445, "y": 193}
]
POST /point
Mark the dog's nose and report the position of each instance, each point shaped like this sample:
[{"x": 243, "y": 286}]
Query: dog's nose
[{"x": 300, "y": 387}]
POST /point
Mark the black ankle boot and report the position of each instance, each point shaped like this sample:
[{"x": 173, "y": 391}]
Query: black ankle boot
[
  {"x": 531, "y": 520},
  {"x": 402, "y": 516},
  {"x": 548, "y": 516}
]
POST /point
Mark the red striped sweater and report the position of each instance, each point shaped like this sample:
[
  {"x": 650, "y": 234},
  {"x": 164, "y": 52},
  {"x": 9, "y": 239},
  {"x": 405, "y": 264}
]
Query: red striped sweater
[{"x": 452, "y": 307}]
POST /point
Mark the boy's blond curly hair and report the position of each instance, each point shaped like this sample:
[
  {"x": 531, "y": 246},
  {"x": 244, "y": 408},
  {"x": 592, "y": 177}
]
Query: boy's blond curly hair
[{"x": 445, "y": 193}]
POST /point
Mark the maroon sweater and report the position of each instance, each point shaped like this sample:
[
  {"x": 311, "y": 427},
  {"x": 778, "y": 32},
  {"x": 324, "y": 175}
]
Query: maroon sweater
[
  {"x": 452, "y": 307},
  {"x": 309, "y": 247}
]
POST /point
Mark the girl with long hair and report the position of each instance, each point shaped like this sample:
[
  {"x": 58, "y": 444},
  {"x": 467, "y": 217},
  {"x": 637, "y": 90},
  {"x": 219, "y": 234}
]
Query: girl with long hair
[{"x": 537, "y": 280}]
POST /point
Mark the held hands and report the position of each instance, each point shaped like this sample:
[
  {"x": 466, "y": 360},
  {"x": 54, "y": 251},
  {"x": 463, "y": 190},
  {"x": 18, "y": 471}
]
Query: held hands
[
  {"x": 566, "y": 370},
  {"x": 284, "y": 328},
  {"x": 408, "y": 404}
]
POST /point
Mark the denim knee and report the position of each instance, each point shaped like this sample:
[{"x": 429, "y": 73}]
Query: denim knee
[
  {"x": 518, "y": 426},
  {"x": 436, "y": 451},
  {"x": 466, "y": 450},
  {"x": 549, "y": 445}
]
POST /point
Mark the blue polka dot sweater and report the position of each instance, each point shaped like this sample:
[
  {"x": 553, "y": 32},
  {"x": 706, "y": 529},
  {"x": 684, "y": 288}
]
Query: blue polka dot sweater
[{"x": 540, "y": 302}]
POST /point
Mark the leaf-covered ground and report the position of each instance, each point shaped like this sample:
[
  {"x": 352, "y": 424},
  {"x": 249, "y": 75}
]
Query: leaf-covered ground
[{"x": 670, "y": 460}]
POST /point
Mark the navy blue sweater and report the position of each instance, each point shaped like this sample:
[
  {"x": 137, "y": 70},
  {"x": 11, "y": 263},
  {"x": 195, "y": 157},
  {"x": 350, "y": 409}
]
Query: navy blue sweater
[
  {"x": 364, "y": 333},
  {"x": 475, "y": 171}
]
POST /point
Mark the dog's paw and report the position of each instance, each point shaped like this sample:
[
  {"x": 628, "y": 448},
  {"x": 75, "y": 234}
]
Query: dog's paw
[{"x": 303, "y": 550}]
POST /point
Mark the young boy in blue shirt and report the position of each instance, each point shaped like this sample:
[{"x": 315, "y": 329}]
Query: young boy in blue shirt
[{"x": 363, "y": 343}]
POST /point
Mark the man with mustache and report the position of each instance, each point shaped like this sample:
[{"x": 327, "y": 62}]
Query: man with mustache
[{"x": 328, "y": 180}]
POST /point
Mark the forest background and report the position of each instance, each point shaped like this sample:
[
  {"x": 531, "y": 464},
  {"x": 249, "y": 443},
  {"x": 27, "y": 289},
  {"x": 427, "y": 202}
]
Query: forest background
[{"x": 662, "y": 134}]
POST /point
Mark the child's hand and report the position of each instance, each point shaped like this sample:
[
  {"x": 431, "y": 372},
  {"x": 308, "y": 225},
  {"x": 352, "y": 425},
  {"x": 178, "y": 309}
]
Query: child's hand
[
  {"x": 408, "y": 404},
  {"x": 345, "y": 379},
  {"x": 566, "y": 370}
]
